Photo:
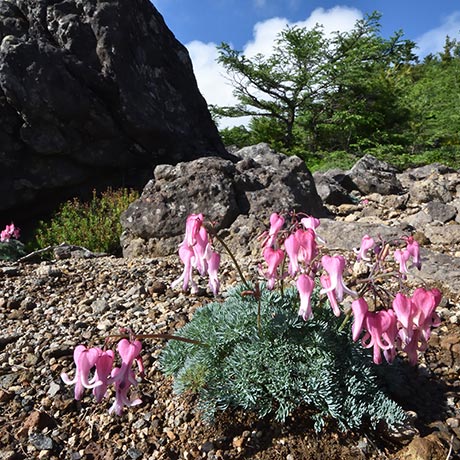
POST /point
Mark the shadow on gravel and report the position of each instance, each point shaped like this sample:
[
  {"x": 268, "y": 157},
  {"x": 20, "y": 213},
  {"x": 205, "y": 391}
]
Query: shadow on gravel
[{"x": 417, "y": 390}]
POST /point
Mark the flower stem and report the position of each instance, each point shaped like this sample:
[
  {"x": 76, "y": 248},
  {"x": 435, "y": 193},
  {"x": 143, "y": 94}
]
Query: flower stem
[
  {"x": 237, "y": 266},
  {"x": 158, "y": 336},
  {"x": 345, "y": 321}
]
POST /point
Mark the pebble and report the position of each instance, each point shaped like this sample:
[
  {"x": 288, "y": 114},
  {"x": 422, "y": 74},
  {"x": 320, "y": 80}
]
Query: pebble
[
  {"x": 207, "y": 446},
  {"x": 453, "y": 422},
  {"x": 53, "y": 389},
  {"x": 100, "y": 306},
  {"x": 41, "y": 441},
  {"x": 10, "y": 271}
]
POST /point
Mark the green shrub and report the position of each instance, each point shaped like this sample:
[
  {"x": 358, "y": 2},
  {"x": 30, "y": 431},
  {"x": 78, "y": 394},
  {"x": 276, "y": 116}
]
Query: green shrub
[
  {"x": 94, "y": 225},
  {"x": 399, "y": 156},
  {"x": 284, "y": 364},
  {"x": 322, "y": 161}
]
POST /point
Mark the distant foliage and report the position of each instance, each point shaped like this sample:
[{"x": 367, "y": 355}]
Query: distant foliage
[
  {"x": 94, "y": 225},
  {"x": 326, "y": 97},
  {"x": 287, "y": 363}
]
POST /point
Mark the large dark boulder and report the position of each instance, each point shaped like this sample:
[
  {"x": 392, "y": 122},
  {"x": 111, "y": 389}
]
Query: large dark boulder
[
  {"x": 239, "y": 197},
  {"x": 370, "y": 175},
  {"x": 92, "y": 93}
]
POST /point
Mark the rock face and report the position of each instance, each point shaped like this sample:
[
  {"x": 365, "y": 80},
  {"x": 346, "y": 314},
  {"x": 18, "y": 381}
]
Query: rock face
[
  {"x": 92, "y": 94},
  {"x": 368, "y": 175},
  {"x": 239, "y": 197},
  {"x": 427, "y": 205}
]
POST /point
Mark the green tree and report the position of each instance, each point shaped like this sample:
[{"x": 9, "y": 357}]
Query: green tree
[
  {"x": 433, "y": 99},
  {"x": 317, "y": 92}
]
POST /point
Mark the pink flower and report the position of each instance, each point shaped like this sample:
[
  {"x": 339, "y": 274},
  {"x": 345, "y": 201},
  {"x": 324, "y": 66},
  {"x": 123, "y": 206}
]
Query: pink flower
[
  {"x": 9, "y": 232},
  {"x": 104, "y": 365},
  {"x": 276, "y": 224},
  {"x": 367, "y": 243},
  {"x": 413, "y": 249},
  {"x": 403, "y": 308},
  {"x": 411, "y": 348},
  {"x": 124, "y": 376},
  {"x": 201, "y": 251},
  {"x": 305, "y": 285},
  {"x": 380, "y": 330},
  {"x": 380, "y": 334},
  {"x": 308, "y": 248},
  {"x": 273, "y": 257},
  {"x": 196, "y": 252},
  {"x": 402, "y": 257},
  {"x": 310, "y": 222},
  {"x": 326, "y": 283},
  {"x": 360, "y": 310},
  {"x": 186, "y": 255},
  {"x": 213, "y": 269},
  {"x": 85, "y": 359},
  {"x": 425, "y": 316},
  {"x": 335, "y": 265},
  {"x": 300, "y": 247},
  {"x": 192, "y": 228},
  {"x": 292, "y": 246}
]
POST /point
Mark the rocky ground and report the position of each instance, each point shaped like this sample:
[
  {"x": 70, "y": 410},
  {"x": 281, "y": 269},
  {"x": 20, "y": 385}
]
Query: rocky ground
[{"x": 47, "y": 308}]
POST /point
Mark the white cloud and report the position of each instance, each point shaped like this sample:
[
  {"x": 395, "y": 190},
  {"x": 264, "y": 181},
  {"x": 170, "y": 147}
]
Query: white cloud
[
  {"x": 339, "y": 18},
  {"x": 211, "y": 75},
  {"x": 433, "y": 40}
]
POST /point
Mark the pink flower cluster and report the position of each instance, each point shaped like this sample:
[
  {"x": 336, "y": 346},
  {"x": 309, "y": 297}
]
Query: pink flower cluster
[
  {"x": 406, "y": 326},
  {"x": 9, "y": 232},
  {"x": 196, "y": 252},
  {"x": 105, "y": 374},
  {"x": 395, "y": 322},
  {"x": 398, "y": 322},
  {"x": 300, "y": 245}
]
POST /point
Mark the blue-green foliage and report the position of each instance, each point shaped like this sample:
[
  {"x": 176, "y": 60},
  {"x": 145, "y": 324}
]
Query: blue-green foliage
[
  {"x": 11, "y": 250},
  {"x": 288, "y": 363}
]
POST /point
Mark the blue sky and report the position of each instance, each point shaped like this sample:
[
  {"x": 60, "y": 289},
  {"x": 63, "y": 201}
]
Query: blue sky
[{"x": 252, "y": 25}]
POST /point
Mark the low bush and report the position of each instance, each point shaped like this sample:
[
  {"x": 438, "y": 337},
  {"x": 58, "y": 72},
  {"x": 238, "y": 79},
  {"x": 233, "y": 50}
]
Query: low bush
[{"x": 94, "y": 225}]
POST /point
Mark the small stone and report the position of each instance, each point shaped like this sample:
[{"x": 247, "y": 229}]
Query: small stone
[
  {"x": 8, "y": 454},
  {"x": 54, "y": 389},
  {"x": 157, "y": 287},
  {"x": 170, "y": 434},
  {"x": 238, "y": 441},
  {"x": 207, "y": 446},
  {"x": 30, "y": 360},
  {"x": 48, "y": 270},
  {"x": 134, "y": 453},
  {"x": 454, "y": 319},
  {"x": 41, "y": 441},
  {"x": 10, "y": 271},
  {"x": 453, "y": 422},
  {"x": 36, "y": 421},
  {"x": 100, "y": 306},
  {"x": 104, "y": 325},
  {"x": 426, "y": 448}
]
